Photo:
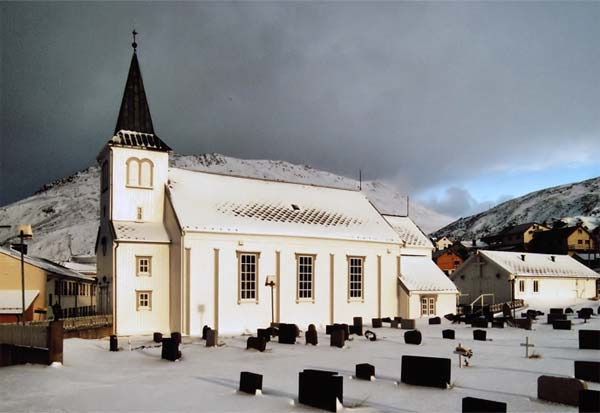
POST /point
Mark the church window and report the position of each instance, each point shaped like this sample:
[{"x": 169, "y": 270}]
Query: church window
[
  {"x": 144, "y": 266},
  {"x": 356, "y": 267},
  {"x": 139, "y": 215},
  {"x": 248, "y": 277},
  {"x": 133, "y": 172},
  {"x": 104, "y": 176},
  {"x": 140, "y": 173},
  {"x": 146, "y": 167},
  {"x": 144, "y": 300},
  {"x": 103, "y": 243},
  {"x": 536, "y": 286},
  {"x": 305, "y": 271},
  {"x": 428, "y": 305},
  {"x": 522, "y": 286}
]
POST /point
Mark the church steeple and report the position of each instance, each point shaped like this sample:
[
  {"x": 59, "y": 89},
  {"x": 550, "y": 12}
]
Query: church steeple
[{"x": 134, "y": 114}]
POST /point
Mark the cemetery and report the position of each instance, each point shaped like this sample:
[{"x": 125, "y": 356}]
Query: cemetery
[{"x": 401, "y": 365}]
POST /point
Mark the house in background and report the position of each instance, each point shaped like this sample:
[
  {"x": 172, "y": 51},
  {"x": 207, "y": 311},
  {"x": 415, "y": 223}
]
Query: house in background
[
  {"x": 515, "y": 237},
  {"x": 46, "y": 283},
  {"x": 565, "y": 240},
  {"x": 442, "y": 243},
  {"x": 447, "y": 260},
  {"x": 543, "y": 278}
]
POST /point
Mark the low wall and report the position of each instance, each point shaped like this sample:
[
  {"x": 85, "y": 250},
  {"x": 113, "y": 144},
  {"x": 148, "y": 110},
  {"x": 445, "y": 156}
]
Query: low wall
[{"x": 20, "y": 344}]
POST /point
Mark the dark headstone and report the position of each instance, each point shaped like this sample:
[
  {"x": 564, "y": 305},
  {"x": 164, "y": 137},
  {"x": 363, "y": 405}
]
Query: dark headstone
[
  {"x": 170, "y": 349},
  {"x": 413, "y": 337},
  {"x": 157, "y": 337},
  {"x": 204, "y": 331},
  {"x": 449, "y": 334},
  {"x": 311, "y": 335},
  {"x": 524, "y": 323},
  {"x": 585, "y": 313},
  {"x": 568, "y": 310},
  {"x": 357, "y": 325},
  {"x": 114, "y": 343},
  {"x": 435, "y": 320},
  {"x": 556, "y": 311},
  {"x": 589, "y": 401},
  {"x": 450, "y": 317},
  {"x": 497, "y": 323},
  {"x": 561, "y": 390},
  {"x": 328, "y": 329},
  {"x": 256, "y": 343},
  {"x": 506, "y": 313},
  {"x": 371, "y": 336},
  {"x": 426, "y": 371},
  {"x": 386, "y": 320},
  {"x": 264, "y": 333},
  {"x": 364, "y": 371},
  {"x": 211, "y": 337},
  {"x": 589, "y": 339},
  {"x": 407, "y": 324},
  {"x": 555, "y": 316},
  {"x": 176, "y": 336},
  {"x": 376, "y": 322},
  {"x": 479, "y": 323},
  {"x": 532, "y": 314},
  {"x": 561, "y": 324},
  {"x": 250, "y": 382},
  {"x": 395, "y": 323},
  {"x": 398, "y": 319},
  {"x": 479, "y": 335},
  {"x": 587, "y": 370},
  {"x": 320, "y": 389},
  {"x": 345, "y": 328},
  {"x": 336, "y": 339},
  {"x": 475, "y": 405},
  {"x": 287, "y": 333}
]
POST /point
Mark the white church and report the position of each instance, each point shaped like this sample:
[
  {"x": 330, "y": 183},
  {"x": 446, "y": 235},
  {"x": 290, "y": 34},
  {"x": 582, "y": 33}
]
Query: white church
[{"x": 179, "y": 249}]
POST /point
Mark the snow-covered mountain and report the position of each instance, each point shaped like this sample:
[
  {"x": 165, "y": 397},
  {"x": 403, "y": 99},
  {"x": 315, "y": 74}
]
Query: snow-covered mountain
[
  {"x": 574, "y": 202},
  {"x": 67, "y": 211}
]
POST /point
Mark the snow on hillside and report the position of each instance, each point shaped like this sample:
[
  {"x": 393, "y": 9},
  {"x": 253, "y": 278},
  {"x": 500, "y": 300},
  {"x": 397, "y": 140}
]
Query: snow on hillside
[
  {"x": 69, "y": 207},
  {"x": 571, "y": 203}
]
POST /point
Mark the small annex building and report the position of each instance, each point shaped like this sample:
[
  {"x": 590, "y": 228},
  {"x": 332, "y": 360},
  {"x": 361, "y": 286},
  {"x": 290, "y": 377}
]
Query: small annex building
[
  {"x": 535, "y": 277},
  {"x": 180, "y": 249}
]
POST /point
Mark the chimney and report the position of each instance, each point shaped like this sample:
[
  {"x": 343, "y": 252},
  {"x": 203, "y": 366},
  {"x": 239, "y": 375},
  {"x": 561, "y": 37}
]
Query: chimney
[
  {"x": 523, "y": 257},
  {"x": 553, "y": 258}
]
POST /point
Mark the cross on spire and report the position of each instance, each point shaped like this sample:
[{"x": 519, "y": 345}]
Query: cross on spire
[{"x": 134, "y": 44}]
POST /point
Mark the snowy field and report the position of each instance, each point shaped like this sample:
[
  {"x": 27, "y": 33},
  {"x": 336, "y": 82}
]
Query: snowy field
[{"x": 206, "y": 379}]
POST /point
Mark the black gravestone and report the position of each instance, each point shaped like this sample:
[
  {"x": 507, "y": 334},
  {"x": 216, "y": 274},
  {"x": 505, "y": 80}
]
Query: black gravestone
[
  {"x": 425, "y": 371},
  {"x": 211, "y": 337},
  {"x": 336, "y": 339},
  {"x": 587, "y": 370},
  {"x": 365, "y": 371},
  {"x": 320, "y": 389},
  {"x": 264, "y": 333},
  {"x": 561, "y": 324},
  {"x": 589, "y": 401},
  {"x": 589, "y": 339},
  {"x": 287, "y": 333},
  {"x": 311, "y": 335},
  {"x": 114, "y": 343},
  {"x": 386, "y": 320},
  {"x": 176, "y": 336},
  {"x": 569, "y": 310},
  {"x": 497, "y": 323},
  {"x": 395, "y": 323},
  {"x": 376, "y": 322},
  {"x": 524, "y": 323},
  {"x": 250, "y": 382},
  {"x": 170, "y": 349},
  {"x": 555, "y": 316},
  {"x": 157, "y": 337},
  {"x": 450, "y": 317},
  {"x": 475, "y": 405},
  {"x": 256, "y": 343},
  {"x": 479, "y": 335},
  {"x": 328, "y": 329},
  {"x": 357, "y": 326},
  {"x": 371, "y": 336},
  {"x": 532, "y": 314},
  {"x": 449, "y": 334},
  {"x": 204, "y": 331},
  {"x": 344, "y": 328},
  {"x": 407, "y": 324},
  {"x": 413, "y": 337},
  {"x": 435, "y": 320},
  {"x": 479, "y": 323},
  {"x": 556, "y": 311}
]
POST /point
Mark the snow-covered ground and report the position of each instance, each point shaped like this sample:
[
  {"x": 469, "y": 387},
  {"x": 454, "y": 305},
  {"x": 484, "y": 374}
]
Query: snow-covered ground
[{"x": 206, "y": 379}]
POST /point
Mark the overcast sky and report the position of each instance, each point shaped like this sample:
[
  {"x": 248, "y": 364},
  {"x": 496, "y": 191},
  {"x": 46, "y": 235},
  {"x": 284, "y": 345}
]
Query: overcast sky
[{"x": 461, "y": 105}]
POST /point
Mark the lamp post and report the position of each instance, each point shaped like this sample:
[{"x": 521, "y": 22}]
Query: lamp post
[{"x": 270, "y": 282}]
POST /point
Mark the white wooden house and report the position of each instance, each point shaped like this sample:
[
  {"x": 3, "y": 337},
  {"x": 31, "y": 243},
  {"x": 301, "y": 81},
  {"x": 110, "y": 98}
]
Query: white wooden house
[{"x": 179, "y": 249}]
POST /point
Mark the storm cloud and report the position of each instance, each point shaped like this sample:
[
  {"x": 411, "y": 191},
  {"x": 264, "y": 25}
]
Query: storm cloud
[{"x": 420, "y": 94}]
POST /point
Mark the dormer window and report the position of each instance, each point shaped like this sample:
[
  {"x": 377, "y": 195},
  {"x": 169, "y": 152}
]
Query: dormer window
[{"x": 140, "y": 173}]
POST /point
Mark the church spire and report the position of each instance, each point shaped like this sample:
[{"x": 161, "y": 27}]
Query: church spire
[{"x": 134, "y": 114}]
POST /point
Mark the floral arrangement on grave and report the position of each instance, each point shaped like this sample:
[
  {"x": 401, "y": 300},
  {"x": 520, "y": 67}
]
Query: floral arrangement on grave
[{"x": 464, "y": 352}]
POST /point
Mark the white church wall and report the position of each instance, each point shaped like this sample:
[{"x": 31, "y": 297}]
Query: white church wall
[
  {"x": 552, "y": 289},
  {"x": 130, "y": 320},
  {"x": 175, "y": 265}
]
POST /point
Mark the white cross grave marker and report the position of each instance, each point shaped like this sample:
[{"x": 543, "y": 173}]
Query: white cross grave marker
[{"x": 527, "y": 345}]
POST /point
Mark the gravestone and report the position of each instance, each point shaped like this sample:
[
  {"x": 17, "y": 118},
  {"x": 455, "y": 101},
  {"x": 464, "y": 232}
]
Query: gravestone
[
  {"x": 311, "y": 335},
  {"x": 256, "y": 343},
  {"x": 450, "y": 317},
  {"x": 435, "y": 320},
  {"x": 561, "y": 390},
  {"x": 114, "y": 343},
  {"x": 157, "y": 337},
  {"x": 170, "y": 349},
  {"x": 371, "y": 336},
  {"x": 524, "y": 323},
  {"x": 554, "y": 316},
  {"x": 346, "y": 329},
  {"x": 364, "y": 371},
  {"x": 386, "y": 320},
  {"x": 357, "y": 325},
  {"x": 479, "y": 335},
  {"x": 176, "y": 336},
  {"x": 407, "y": 324},
  {"x": 506, "y": 313},
  {"x": 479, "y": 323},
  {"x": 568, "y": 310},
  {"x": 250, "y": 382},
  {"x": 336, "y": 339},
  {"x": 264, "y": 333},
  {"x": 328, "y": 329},
  {"x": 589, "y": 339},
  {"x": 376, "y": 322},
  {"x": 556, "y": 311},
  {"x": 287, "y": 333},
  {"x": 532, "y": 314},
  {"x": 413, "y": 337},
  {"x": 561, "y": 324},
  {"x": 394, "y": 323},
  {"x": 211, "y": 337},
  {"x": 204, "y": 331},
  {"x": 449, "y": 334},
  {"x": 497, "y": 323},
  {"x": 426, "y": 371},
  {"x": 587, "y": 370},
  {"x": 585, "y": 314},
  {"x": 589, "y": 401},
  {"x": 475, "y": 405},
  {"x": 398, "y": 319},
  {"x": 320, "y": 389}
]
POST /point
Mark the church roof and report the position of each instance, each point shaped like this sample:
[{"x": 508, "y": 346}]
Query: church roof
[
  {"x": 408, "y": 231},
  {"x": 419, "y": 273},
  {"x": 208, "y": 202},
  {"x": 140, "y": 231}
]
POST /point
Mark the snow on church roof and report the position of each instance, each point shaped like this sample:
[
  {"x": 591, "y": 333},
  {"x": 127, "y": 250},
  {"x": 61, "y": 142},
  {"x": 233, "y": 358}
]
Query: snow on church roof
[
  {"x": 208, "y": 202},
  {"x": 537, "y": 265},
  {"x": 419, "y": 273},
  {"x": 140, "y": 231},
  {"x": 408, "y": 231}
]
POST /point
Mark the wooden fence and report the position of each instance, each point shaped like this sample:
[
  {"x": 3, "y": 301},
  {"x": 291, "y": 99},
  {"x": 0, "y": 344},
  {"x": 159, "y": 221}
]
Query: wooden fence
[{"x": 30, "y": 343}]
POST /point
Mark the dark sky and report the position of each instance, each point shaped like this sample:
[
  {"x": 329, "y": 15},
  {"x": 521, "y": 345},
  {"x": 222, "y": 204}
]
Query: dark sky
[{"x": 460, "y": 104}]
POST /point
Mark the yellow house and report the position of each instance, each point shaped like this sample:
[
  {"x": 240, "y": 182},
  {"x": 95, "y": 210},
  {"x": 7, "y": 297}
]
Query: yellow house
[{"x": 46, "y": 283}]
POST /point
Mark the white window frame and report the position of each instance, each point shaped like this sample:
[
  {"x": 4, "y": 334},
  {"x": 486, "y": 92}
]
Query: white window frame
[
  {"x": 248, "y": 276},
  {"x": 139, "y": 163},
  {"x": 305, "y": 277},
  {"x": 140, "y": 266},
  {"x": 356, "y": 279},
  {"x": 143, "y": 300},
  {"x": 428, "y": 305}
]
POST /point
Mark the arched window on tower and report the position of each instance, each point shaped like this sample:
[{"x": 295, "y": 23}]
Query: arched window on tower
[
  {"x": 140, "y": 173},
  {"x": 133, "y": 172},
  {"x": 146, "y": 170}
]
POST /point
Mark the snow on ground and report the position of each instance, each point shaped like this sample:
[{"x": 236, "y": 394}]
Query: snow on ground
[{"x": 206, "y": 379}]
